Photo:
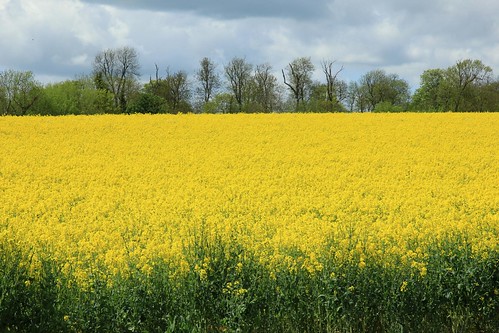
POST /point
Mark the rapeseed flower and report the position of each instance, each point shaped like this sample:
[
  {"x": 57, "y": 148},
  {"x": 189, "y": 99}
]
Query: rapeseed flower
[{"x": 297, "y": 190}]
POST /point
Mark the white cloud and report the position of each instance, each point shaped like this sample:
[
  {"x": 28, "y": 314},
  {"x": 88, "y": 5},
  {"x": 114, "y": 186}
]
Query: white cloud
[
  {"x": 42, "y": 35},
  {"x": 79, "y": 60},
  {"x": 3, "y": 4}
]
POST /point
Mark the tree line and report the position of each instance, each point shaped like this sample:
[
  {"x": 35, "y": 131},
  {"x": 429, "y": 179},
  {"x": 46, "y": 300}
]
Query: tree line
[{"x": 114, "y": 86}]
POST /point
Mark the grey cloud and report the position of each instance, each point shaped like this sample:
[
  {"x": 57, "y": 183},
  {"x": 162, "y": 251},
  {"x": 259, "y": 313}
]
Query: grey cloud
[
  {"x": 399, "y": 36},
  {"x": 228, "y": 9}
]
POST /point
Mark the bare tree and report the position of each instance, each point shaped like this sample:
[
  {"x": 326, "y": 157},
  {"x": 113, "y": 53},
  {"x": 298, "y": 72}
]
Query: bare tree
[
  {"x": 238, "y": 72},
  {"x": 299, "y": 78},
  {"x": 352, "y": 96},
  {"x": 331, "y": 80},
  {"x": 179, "y": 89},
  {"x": 208, "y": 78},
  {"x": 266, "y": 87},
  {"x": 116, "y": 70}
]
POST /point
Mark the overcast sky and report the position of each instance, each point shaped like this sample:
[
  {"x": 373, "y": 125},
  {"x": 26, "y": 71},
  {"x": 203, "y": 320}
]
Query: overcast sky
[{"x": 58, "y": 39}]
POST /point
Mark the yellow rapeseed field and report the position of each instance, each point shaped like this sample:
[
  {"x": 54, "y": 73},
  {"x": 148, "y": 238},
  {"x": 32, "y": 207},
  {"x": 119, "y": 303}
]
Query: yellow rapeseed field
[{"x": 292, "y": 188}]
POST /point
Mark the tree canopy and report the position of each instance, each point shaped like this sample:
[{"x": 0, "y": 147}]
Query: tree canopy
[
  {"x": 466, "y": 86},
  {"x": 239, "y": 86}
]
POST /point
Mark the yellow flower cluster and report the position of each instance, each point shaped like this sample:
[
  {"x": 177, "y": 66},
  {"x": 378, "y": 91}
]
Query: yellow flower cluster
[{"x": 293, "y": 188}]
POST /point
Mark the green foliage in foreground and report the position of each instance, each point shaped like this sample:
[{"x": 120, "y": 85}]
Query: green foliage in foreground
[{"x": 458, "y": 294}]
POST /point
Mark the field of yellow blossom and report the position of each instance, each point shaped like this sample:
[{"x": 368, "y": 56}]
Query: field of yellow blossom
[{"x": 281, "y": 222}]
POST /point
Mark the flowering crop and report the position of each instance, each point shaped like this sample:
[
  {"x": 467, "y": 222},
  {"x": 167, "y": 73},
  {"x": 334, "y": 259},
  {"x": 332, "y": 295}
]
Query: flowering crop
[{"x": 300, "y": 192}]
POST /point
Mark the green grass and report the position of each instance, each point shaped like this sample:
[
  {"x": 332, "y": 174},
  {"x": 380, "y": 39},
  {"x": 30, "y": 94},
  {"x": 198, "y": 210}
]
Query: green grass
[{"x": 237, "y": 294}]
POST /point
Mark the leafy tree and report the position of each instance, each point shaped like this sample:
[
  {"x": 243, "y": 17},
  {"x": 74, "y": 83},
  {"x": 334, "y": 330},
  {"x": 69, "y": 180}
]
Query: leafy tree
[
  {"x": 147, "y": 103},
  {"x": 4, "y": 99},
  {"x": 94, "y": 100},
  {"x": 299, "y": 80},
  {"x": 19, "y": 92},
  {"x": 174, "y": 89},
  {"x": 487, "y": 98},
  {"x": 431, "y": 94},
  {"x": 388, "y": 107},
  {"x": 465, "y": 78},
  {"x": 221, "y": 103},
  {"x": 117, "y": 71},
  {"x": 64, "y": 98},
  {"x": 377, "y": 87},
  {"x": 238, "y": 73},
  {"x": 465, "y": 86},
  {"x": 78, "y": 96},
  {"x": 319, "y": 101}
]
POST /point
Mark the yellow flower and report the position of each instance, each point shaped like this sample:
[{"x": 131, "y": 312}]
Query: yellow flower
[
  {"x": 203, "y": 275},
  {"x": 403, "y": 286},
  {"x": 242, "y": 291},
  {"x": 296, "y": 190}
]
